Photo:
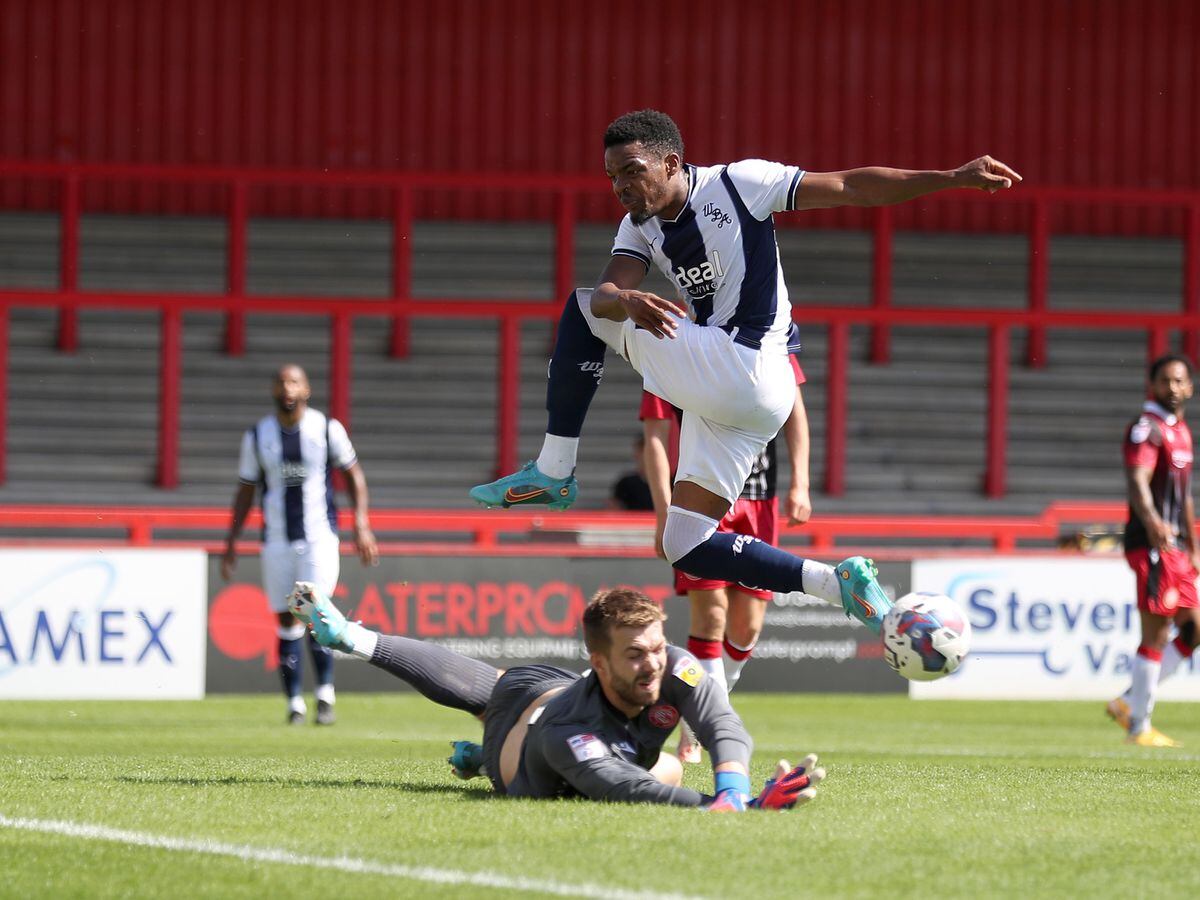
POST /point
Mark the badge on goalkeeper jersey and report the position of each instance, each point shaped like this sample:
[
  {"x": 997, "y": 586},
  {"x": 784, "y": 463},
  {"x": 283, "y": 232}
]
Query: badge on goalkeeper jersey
[
  {"x": 688, "y": 671},
  {"x": 586, "y": 746}
]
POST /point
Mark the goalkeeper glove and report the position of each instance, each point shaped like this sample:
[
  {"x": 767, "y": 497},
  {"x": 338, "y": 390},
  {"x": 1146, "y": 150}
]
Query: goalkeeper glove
[{"x": 790, "y": 787}]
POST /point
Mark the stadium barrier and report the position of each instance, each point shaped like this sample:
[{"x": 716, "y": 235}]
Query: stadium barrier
[
  {"x": 523, "y": 533},
  {"x": 880, "y": 315}
]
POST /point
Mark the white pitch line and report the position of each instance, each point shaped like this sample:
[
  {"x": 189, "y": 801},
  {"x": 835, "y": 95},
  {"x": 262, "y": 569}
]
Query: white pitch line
[
  {"x": 248, "y": 853},
  {"x": 1131, "y": 754}
]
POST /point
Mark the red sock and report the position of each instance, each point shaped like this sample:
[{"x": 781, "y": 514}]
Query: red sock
[
  {"x": 736, "y": 653},
  {"x": 1185, "y": 649},
  {"x": 1150, "y": 653},
  {"x": 701, "y": 648}
]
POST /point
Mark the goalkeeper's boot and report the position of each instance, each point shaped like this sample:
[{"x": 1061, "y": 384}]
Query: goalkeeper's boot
[
  {"x": 862, "y": 597},
  {"x": 1151, "y": 737},
  {"x": 1118, "y": 711},
  {"x": 324, "y": 620},
  {"x": 527, "y": 487},
  {"x": 466, "y": 760}
]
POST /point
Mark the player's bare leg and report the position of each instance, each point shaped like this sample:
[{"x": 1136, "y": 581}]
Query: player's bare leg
[
  {"x": 743, "y": 625},
  {"x": 668, "y": 770},
  {"x": 510, "y": 751},
  {"x": 706, "y": 627}
]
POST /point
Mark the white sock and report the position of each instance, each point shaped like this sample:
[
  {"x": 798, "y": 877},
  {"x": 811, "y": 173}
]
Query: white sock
[
  {"x": 557, "y": 459},
  {"x": 362, "y": 642},
  {"x": 1141, "y": 700},
  {"x": 821, "y": 581},
  {"x": 716, "y": 671},
  {"x": 325, "y": 694},
  {"x": 291, "y": 632},
  {"x": 733, "y": 667},
  {"x": 733, "y": 670},
  {"x": 296, "y": 704},
  {"x": 1170, "y": 662}
]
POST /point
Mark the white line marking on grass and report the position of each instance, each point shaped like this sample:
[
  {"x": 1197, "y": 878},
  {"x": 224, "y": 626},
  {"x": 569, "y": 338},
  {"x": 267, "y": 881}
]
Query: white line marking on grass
[
  {"x": 248, "y": 853},
  {"x": 1130, "y": 754}
]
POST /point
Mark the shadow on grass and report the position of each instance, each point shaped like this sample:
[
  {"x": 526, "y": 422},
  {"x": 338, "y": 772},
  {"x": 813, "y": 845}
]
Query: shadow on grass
[{"x": 475, "y": 791}]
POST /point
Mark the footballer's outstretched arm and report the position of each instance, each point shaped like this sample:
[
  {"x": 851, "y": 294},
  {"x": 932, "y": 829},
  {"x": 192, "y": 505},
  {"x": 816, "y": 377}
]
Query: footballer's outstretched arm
[
  {"x": 597, "y": 775},
  {"x": 881, "y": 186}
]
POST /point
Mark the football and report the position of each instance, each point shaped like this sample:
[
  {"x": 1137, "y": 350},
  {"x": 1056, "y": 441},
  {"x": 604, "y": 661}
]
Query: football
[{"x": 925, "y": 636}]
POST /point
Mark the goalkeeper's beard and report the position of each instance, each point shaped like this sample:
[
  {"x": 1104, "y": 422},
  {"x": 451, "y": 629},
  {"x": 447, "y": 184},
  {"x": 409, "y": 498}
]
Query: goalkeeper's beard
[{"x": 634, "y": 694}]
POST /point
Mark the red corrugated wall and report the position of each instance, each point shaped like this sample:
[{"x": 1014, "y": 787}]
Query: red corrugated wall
[{"x": 1080, "y": 92}]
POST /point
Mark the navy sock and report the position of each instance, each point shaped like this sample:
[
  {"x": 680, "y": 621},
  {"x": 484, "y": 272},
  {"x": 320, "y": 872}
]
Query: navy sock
[
  {"x": 291, "y": 665},
  {"x": 322, "y": 658},
  {"x": 575, "y": 371},
  {"x": 745, "y": 560},
  {"x": 442, "y": 675}
]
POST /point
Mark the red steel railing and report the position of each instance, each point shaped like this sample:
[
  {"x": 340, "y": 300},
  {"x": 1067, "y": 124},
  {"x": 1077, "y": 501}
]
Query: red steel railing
[
  {"x": 483, "y": 533},
  {"x": 880, "y": 315}
]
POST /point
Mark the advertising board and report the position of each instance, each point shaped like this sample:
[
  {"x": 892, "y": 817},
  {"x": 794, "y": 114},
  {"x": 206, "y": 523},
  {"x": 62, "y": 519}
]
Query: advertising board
[
  {"x": 110, "y": 624},
  {"x": 1045, "y": 628},
  {"x": 509, "y": 610}
]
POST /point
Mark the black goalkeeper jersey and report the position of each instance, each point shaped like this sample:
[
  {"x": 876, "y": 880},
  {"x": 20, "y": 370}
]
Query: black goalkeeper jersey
[{"x": 578, "y": 744}]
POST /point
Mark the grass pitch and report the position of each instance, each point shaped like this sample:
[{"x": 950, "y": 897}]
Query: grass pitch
[{"x": 219, "y": 799}]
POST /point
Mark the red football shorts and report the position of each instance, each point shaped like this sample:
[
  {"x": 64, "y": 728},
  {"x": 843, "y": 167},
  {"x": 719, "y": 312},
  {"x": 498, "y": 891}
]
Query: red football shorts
[
  {"x": 1166, "y": 582},
  {"x": 757, "y": 518}
]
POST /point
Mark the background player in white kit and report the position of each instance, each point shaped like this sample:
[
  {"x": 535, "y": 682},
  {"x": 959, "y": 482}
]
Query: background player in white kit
[
  {"x": 292, "y": 455},
  {"x": 724, "y": 360}
]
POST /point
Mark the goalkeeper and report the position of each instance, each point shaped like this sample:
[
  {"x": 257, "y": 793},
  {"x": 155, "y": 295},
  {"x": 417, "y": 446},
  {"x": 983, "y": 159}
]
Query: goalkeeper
[{"x": 550, "y": 732}]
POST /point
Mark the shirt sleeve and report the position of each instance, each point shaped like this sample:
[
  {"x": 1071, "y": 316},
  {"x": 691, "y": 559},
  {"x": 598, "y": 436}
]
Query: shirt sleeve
[
  {"x": 705, "y": 705},
  {"x": 586, "y": 763},
  {"x": 631, "y": 242},
  {"x": 341, "y": 451},
  {"x": 765, "y": 187},
  {"x": 654, "y": 407},
  {"x": 796, "y": 370},
  {"x": 249, "y": 470},
  {"x": 1142, "y": 444}
]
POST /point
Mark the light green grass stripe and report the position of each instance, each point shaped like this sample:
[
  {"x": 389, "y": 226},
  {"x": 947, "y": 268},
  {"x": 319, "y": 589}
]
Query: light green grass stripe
[{"x": 341, "y": 863}]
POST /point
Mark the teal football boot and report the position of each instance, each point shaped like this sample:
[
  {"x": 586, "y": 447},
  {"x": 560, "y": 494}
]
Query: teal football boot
[
  {"x": 324, "y": 620},
  {"x": 862, "y": 597},
  {"x": 466, "y": 760},
  {"x": 526, "y": 487}
]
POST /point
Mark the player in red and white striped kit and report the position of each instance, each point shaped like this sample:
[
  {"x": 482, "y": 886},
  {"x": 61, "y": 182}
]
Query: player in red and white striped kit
[
  {"x": 1160, "y": 544},
  {"x": 726, "y": 617}
]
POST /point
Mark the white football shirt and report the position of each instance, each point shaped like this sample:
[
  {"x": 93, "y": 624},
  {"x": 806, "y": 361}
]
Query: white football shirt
[
  {"x": 720, "y": 251},
  {"x": 295, "y": 468}
]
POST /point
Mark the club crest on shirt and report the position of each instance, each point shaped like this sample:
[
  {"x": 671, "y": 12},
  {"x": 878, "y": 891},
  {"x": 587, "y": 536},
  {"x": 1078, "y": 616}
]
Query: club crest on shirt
[
  {"x": 688, "y": 671},
  {"x": 292, "y": 472},
  {"x": 663, "y": 716},
  {"x": 586, "y": 746}
]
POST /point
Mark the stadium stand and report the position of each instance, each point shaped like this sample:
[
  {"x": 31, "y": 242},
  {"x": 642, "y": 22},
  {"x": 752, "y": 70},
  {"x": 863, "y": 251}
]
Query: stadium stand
[{"x": 82, "y": 426}]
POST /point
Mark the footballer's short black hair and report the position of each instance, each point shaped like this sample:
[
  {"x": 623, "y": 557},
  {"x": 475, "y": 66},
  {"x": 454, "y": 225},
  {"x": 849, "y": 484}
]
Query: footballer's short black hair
[
  {"x": 1165, "y": 360},
  {"x": 655, "y": 130}
]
